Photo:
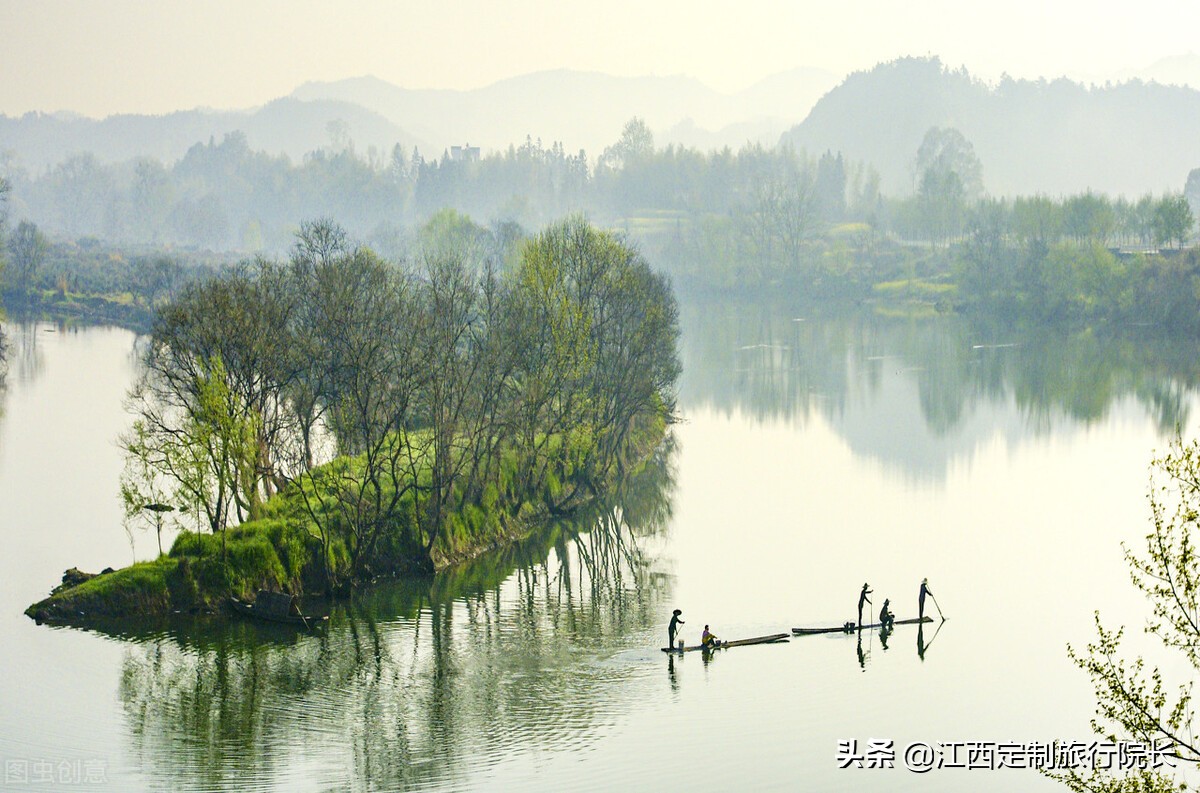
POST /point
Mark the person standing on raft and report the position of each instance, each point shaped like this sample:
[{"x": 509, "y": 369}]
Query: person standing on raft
[
  {"x": 862, "y": 598},
  {"x": 921, "y": 600},
  {"x": 673, "y": 628}
]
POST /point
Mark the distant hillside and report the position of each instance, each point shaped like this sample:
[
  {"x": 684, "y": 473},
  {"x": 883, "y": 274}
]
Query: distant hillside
[
  {"x": 288, "y": 126},
  {"x": 1054, "y": 137},
  {"x": 585, "y": 110}
]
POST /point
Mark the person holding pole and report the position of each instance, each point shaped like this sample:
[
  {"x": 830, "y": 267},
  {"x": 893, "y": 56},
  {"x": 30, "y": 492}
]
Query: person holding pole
[
  {"x": 673, "y": 628},
  {"x": 921, "y": 600},
  {"x": 862, "y": 598}
]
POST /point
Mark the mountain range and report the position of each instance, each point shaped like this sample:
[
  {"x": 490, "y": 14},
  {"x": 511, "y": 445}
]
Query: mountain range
[
  {"x": 582, "y": 110},
  {"x": 1055, "y": 137},
  {"x": 37, "y": 141},
  {"x": 586, "y": 110}
]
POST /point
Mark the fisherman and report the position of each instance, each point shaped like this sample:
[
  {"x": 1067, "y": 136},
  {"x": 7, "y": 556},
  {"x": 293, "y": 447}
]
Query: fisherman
[
  {"x": 886, "y": 618},
  {"x": 921, "y": 599},
  {"x": 709, "y": 639},
  {"x": 862, "y": 598},
  {"x": 673, "y": 628}
]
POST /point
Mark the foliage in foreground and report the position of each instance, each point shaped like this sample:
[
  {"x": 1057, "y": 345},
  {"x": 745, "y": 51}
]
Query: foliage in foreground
[{"x": 1135, "y": 700}]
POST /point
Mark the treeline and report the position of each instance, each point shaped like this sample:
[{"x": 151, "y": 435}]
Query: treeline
[
  {"x": 750, "y": 220},
  {"x": 392, "y": 415},
  {"x": 224, "y": 196},
  {"x": 1051, "y": 262}
]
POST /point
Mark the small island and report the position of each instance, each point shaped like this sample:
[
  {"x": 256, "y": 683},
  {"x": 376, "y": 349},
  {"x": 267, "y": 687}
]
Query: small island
[{"x": 310, "y": 425}]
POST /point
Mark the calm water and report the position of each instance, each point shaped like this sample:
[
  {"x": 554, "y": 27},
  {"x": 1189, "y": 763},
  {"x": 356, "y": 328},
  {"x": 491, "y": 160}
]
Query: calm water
[{"x": 814, "y": 455}]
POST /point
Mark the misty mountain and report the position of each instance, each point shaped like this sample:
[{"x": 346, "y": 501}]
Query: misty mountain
[
  {"x": 585, "y": 110},
  {"x": 1055, "y": 137},
  {"x": 1175, "y": 70},
  {"x": 284, "y": 126}
]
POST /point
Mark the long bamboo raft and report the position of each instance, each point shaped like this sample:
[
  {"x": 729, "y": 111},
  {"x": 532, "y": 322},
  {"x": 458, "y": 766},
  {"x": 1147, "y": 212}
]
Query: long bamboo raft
[
  {"x": 771, "y": 639},
  {"x": 852, "y": 629}
]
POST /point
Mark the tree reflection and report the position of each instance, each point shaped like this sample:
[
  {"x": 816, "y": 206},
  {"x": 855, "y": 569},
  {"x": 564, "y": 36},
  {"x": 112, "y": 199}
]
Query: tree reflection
[
  {"x": 413, "y": 683},
  {"x": 772, "y": 361}
]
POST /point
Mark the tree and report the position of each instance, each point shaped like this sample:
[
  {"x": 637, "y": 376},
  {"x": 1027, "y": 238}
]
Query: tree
[
  {"x": 635, "y": 144},
  {"x": 941, "y": 202},
  {"x": 5, "y": 192},
  {"x": 949, "y": 178},
  {"x": 945, "y": 150},
  {"x": 204, "y": 450},
  {"x": 830, "y": 187},
  {"x": 359, "y": 368},
  {"x": 449, "y": 299},
  {"x": 783, "y": 206},
  {"x": 151, "y": 197},
  {"x": 1191, "y": 190},
  {"x": 27, "y": 250},
  {"x": 1173, "y": 220},
  {"x": 1037, "y": 221},
  {"x": 597, "y": 350},
  {"x": 145, "y": 492},
  {"x": 235, "y": 329},
  {"x": 1133, "y": 699},
  {"x": 1089, "y": 218}
]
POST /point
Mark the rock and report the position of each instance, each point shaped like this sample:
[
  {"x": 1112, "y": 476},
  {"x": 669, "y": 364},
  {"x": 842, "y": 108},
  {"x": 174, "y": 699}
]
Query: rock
[{"x": 72, "y": 578}]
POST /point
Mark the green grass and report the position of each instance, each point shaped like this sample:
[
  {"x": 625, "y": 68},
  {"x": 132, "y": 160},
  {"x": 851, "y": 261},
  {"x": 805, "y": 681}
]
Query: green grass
[
  {"x": 915, "y": 288},
  {"x": 141, "y": 588}
]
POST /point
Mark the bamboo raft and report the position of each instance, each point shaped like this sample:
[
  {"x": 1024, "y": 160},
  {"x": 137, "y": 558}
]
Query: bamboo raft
[
  {"x": 852, "y": 629},
  {"x": 771, "y": 639}
]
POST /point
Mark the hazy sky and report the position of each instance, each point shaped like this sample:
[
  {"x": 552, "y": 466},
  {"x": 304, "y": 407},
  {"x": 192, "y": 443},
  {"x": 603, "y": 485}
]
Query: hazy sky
[{"x": 133, "y": 56}]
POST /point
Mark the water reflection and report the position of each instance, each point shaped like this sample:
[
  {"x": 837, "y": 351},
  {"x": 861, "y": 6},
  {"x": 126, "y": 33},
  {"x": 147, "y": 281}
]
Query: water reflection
[
  {"x": 922, "y": 645},
  {"x": 413, "y": 683},
  {"x": 25, "y": 359},
  {"x": 919, "y": 392}
]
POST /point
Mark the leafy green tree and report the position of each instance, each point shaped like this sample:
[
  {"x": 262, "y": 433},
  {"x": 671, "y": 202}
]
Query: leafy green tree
[
  {"x": 1089, "y": 218},
  {"x": 241, "y": 321},
  {"x": 1134, "y": 699},
  {"x": 204, "y": 455},
  {"x": 146, "y": 494},
  {"x": 1037, "y": 221},
  {"x": 1173, "y": 220},
  {"x": 1144, "y": 214},
  {"x": 598, "y": 347}
]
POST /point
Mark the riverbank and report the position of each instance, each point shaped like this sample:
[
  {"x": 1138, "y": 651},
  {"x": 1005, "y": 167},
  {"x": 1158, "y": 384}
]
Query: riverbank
[
  {"x": 92, "y": 309},
  {"x": 283, "y": 551}
]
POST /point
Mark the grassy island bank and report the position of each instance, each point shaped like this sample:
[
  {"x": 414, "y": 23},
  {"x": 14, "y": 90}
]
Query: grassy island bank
[{"x": 314, "y": 424}]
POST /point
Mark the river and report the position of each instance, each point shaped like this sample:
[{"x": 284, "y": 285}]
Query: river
[{"x": 813, "y": 454}]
